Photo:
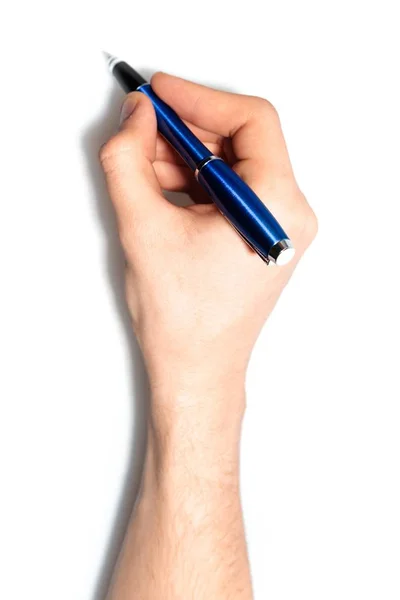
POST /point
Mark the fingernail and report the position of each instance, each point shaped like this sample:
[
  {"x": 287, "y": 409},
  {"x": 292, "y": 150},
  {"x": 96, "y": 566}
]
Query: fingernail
[{"x": 127, "y": 109}]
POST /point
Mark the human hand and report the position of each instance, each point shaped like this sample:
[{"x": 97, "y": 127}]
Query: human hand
[{"x": 198, "y": 295}]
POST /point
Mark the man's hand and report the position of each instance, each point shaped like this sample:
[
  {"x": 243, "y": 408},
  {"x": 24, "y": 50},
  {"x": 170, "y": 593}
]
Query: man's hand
[
  {"x": 198, "y": 296},
  {"x": 197, "y": 293}
]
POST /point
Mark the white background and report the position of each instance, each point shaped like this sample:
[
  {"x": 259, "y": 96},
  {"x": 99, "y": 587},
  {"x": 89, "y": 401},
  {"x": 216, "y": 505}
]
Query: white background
[{"x": 321, "y": 445}]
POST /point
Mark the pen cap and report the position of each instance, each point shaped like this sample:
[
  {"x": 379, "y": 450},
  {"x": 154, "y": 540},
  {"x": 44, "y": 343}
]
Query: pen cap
[{"x": 245, "y": 211}]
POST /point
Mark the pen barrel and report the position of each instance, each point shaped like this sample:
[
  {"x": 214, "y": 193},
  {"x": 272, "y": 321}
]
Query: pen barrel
[
  {"x": 234, "y": 198},
  {"x": 171, "y": 126},
  {"x": 242, "y": 207}
]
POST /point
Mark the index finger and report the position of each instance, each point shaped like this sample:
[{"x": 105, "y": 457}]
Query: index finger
[{"x": 252, "y": 123}]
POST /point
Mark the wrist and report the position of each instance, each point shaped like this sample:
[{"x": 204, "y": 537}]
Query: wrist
[
  {"x": 197, "y": 428},
  {"x": 194, "y": 400},
  {"x": 180, "y": 386},
  {"x": 177, "y": 467}
]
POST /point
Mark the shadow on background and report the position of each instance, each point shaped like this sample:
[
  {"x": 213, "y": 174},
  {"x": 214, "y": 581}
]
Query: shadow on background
[{"x": 98, "y": 133}]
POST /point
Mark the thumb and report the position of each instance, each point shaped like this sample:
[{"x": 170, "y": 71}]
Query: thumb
[{"x": 127, "y": 160}]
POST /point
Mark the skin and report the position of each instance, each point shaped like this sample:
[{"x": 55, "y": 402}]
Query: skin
[{"x": 198, "y": 297}]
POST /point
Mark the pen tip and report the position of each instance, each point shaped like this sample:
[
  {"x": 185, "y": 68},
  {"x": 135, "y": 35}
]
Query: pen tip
[{"x": 111, "y": 60}]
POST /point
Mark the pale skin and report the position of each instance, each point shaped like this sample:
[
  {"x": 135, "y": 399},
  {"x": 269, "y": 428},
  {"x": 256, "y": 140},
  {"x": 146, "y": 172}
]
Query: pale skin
[{"x": 198, "y": 297}]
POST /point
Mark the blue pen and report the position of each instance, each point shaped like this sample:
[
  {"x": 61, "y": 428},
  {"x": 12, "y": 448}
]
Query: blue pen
[{"x": 233, "y": 197}]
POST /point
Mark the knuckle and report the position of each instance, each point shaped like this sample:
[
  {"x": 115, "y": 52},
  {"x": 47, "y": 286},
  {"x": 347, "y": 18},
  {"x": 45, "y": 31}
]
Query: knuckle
[
  {"x": 303, "y": 221},
  {"x": 311, "y": 226},
  {"x": 112, "y": 152},
  {"x": 266, "y": 109}
]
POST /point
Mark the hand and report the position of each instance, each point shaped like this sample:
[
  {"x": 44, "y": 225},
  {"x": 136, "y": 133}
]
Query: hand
[{"x": 198, "y": 295}]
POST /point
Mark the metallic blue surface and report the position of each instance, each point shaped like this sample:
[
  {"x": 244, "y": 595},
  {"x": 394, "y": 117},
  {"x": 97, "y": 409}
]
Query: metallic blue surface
[
  {"x": 237, "y": 202},
  {"x": 191, "y": 149},
  {"x": 240, "y": 205}
]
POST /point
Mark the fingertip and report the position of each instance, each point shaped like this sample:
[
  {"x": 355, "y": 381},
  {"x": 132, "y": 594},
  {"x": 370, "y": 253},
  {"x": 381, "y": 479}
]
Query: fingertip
[
  {"x": 134, "y": 103},
  {"x": 158, "y": 77},
  {"x": 128, "y": 106},
  {"x": 167, "y": 85}
]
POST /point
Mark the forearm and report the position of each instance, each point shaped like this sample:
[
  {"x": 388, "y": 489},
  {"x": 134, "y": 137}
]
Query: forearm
[{"x": 186, "y": 537}]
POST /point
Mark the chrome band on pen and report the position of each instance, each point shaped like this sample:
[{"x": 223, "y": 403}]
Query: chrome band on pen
[{"x": 203, "y": 163}]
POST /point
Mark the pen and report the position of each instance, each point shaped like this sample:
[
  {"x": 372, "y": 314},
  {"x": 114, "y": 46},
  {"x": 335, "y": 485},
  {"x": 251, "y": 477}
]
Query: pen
[{"x": 232, "y": 196}]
